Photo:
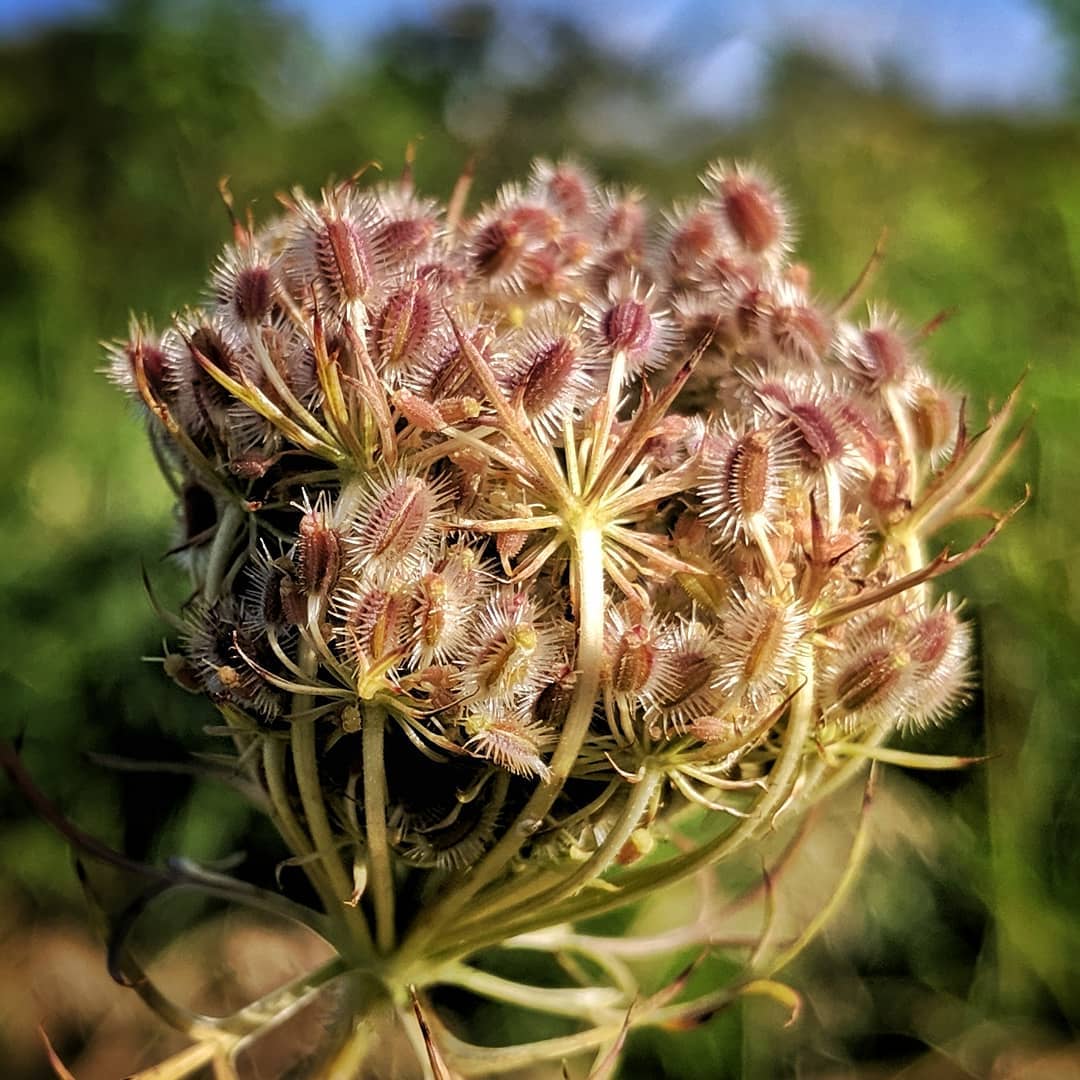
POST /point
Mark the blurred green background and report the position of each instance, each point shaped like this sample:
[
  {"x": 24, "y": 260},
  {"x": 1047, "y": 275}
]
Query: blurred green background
[{"x": 961, "y": 953}]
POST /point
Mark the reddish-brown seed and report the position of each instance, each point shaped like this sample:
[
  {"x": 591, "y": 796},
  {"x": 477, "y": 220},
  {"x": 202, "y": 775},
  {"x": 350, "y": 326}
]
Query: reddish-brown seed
[
  {"x": 403, "y": 325},
  {"x": 626, "y": 327},
  {"x": 869, "y": 679},
  {"x": 398, "y": 520},
  {"x": 934, "y": 417},
  {"x": 691, "y": 243},
  {"x": 752, "y": 213},
  {"x": 932, "y": 638},
  {"x": 567, "y": 189},
  {"x": 405, "y": 238},
  {"x": 820, "y": 440},
  {"x": 154, "y": 363},
  {"x": 886, "y": 354},
  {"x": 319, "y": 553},
  {"x": 496, "y": 247},
  {"x": 633, "y": 660},
  {"x": 253, "y": 293},
  {"x": 748, "y": 473},
  {"x": 346, "y": 258},
  {"x": 550, "y": 369},
  {"x": 377, "y": 624}
]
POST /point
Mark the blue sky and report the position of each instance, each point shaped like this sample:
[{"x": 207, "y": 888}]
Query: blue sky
[{"x": 1001, "y": 54}]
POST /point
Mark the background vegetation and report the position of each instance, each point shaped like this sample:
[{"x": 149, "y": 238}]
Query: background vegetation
[{"x": 959, "y": 955}]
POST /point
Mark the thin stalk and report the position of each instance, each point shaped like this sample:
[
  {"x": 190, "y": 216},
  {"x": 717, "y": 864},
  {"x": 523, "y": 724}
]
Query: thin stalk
[
  {"x": 601, "y": 860},
  {"x": 287, "y": 823},
  {"x": 636, "y": 884},
  {"x": 380, "y": 872},
  {"x": 306, "y": 767},
  {"x": 220, "y": 550},
  {"x": 575, "y": 1001},
  {"x": 587, "y": 559}
]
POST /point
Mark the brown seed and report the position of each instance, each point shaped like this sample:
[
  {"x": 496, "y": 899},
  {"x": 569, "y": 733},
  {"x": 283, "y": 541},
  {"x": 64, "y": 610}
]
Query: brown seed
[
  {"x": 752, "y": 213},
  {"x": 397, "y": 520},
  {"x": 345, "y": 259},
  {"x": 870, "y": 679},
  {"x": 626, "y": 327},
  {"x": 319, "y": 553}
]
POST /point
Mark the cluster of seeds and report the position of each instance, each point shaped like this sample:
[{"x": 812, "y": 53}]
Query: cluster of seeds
[{"x": 564, "y": 494}]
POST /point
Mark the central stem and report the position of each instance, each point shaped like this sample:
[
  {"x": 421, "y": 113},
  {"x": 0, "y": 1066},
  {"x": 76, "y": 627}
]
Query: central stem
[
  {"x": 380, "y": 874},
  {"x": 587, "y": 583}
]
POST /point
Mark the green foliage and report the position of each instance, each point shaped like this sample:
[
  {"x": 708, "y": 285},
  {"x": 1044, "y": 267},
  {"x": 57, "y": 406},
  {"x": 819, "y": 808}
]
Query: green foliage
[{"x": 113, "y": 135}]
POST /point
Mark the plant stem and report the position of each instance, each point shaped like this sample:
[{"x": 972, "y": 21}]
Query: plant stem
[
  {"x": 587, "y": 567},
  {"x": 287, "y": 823},
  {"x": 380, "y": 873},
  {"x": 221, "y": 549},
  {"x": 306, "y": 767}
]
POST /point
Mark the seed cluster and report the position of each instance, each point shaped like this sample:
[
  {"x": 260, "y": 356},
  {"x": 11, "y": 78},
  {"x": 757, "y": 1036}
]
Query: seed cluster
[{"x": 397, "y": 431}]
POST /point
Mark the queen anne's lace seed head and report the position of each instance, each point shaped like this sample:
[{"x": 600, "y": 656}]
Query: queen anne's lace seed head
[{"x": 513, "y": 530}]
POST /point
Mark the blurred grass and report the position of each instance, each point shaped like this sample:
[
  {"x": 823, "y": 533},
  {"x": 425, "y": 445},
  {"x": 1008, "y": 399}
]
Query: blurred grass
[{"x": 964, "y": 942}]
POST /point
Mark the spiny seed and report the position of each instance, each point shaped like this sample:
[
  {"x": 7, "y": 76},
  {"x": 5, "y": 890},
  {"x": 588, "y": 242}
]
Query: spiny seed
[
  {"x": 627, "y": 327},
  {"x": 496, "y": 247},
  {"x": 252, "y": 294},
  {"x": 377, "y": 623},
  {"x": 402, "y": 326},
  {"x": 345, "y": 259},
  {"x": 397, "y": 521},
  {"x": 819, "y": 436},
  {"x": 886, "y": 354},
  {"x": 752, "y": 213},
  {"x": 549, "y": 371},
  {"x": 749, "y": 473},
  {"x": 319, "y": 553},
  {"x": 633, "y": 661},
  {"x": 870, "y": 679}
]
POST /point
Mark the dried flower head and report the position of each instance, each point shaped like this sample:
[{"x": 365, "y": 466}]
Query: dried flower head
[{"x": 516, "y": 534}]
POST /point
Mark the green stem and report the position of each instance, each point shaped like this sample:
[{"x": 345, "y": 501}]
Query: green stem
[
  {"x": 220, "y": 550},
  {"x": 634, "y": 808},
  {"x": 575, "y": 1001},
  {"x": 287, "y": 823},
  {"x": 380, "y": 873},
  {"x": 637, "y": 884},
  {"x": 306, "y": 767},
  {"x": 587, "y": 564}
]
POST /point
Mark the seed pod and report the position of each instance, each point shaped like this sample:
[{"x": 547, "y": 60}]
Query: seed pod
[
  {"x": 935, "y": 415},
  {"x": 877, "y": 354},
  {"x": 406, "y": 327},
  {"x": 797, "y": 330},
  {"x": 566, "y": 185},
  {"x": 743, "y": 479},
  {"x": 406, "y": 227},
  {"x": 396, "y": 522},
  {"x": 690, "y": 656},
  {"x": 695, "y": 236},
  {"x": 511, "y": 650},
  {"x": 628, "y": 323},
  {"x": 941, "y": 645},
  {"x": 445, "y": 600},
  {"x": 549, "y": 373},
  {"x": 509, "y": 740},
  {"x": 244, "y": 284},
  {"x": 751, "y": 207},
  {"x": 318, "y": 548},
  {"x": 635, "y": 660},
  {"x": 332, "y": 248},
  {"x": 871, "y": 681},
  {"x": 378, "y": 622},
  {"x": 142, "y": 349},
  {"x": 758, "y": 647}
]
